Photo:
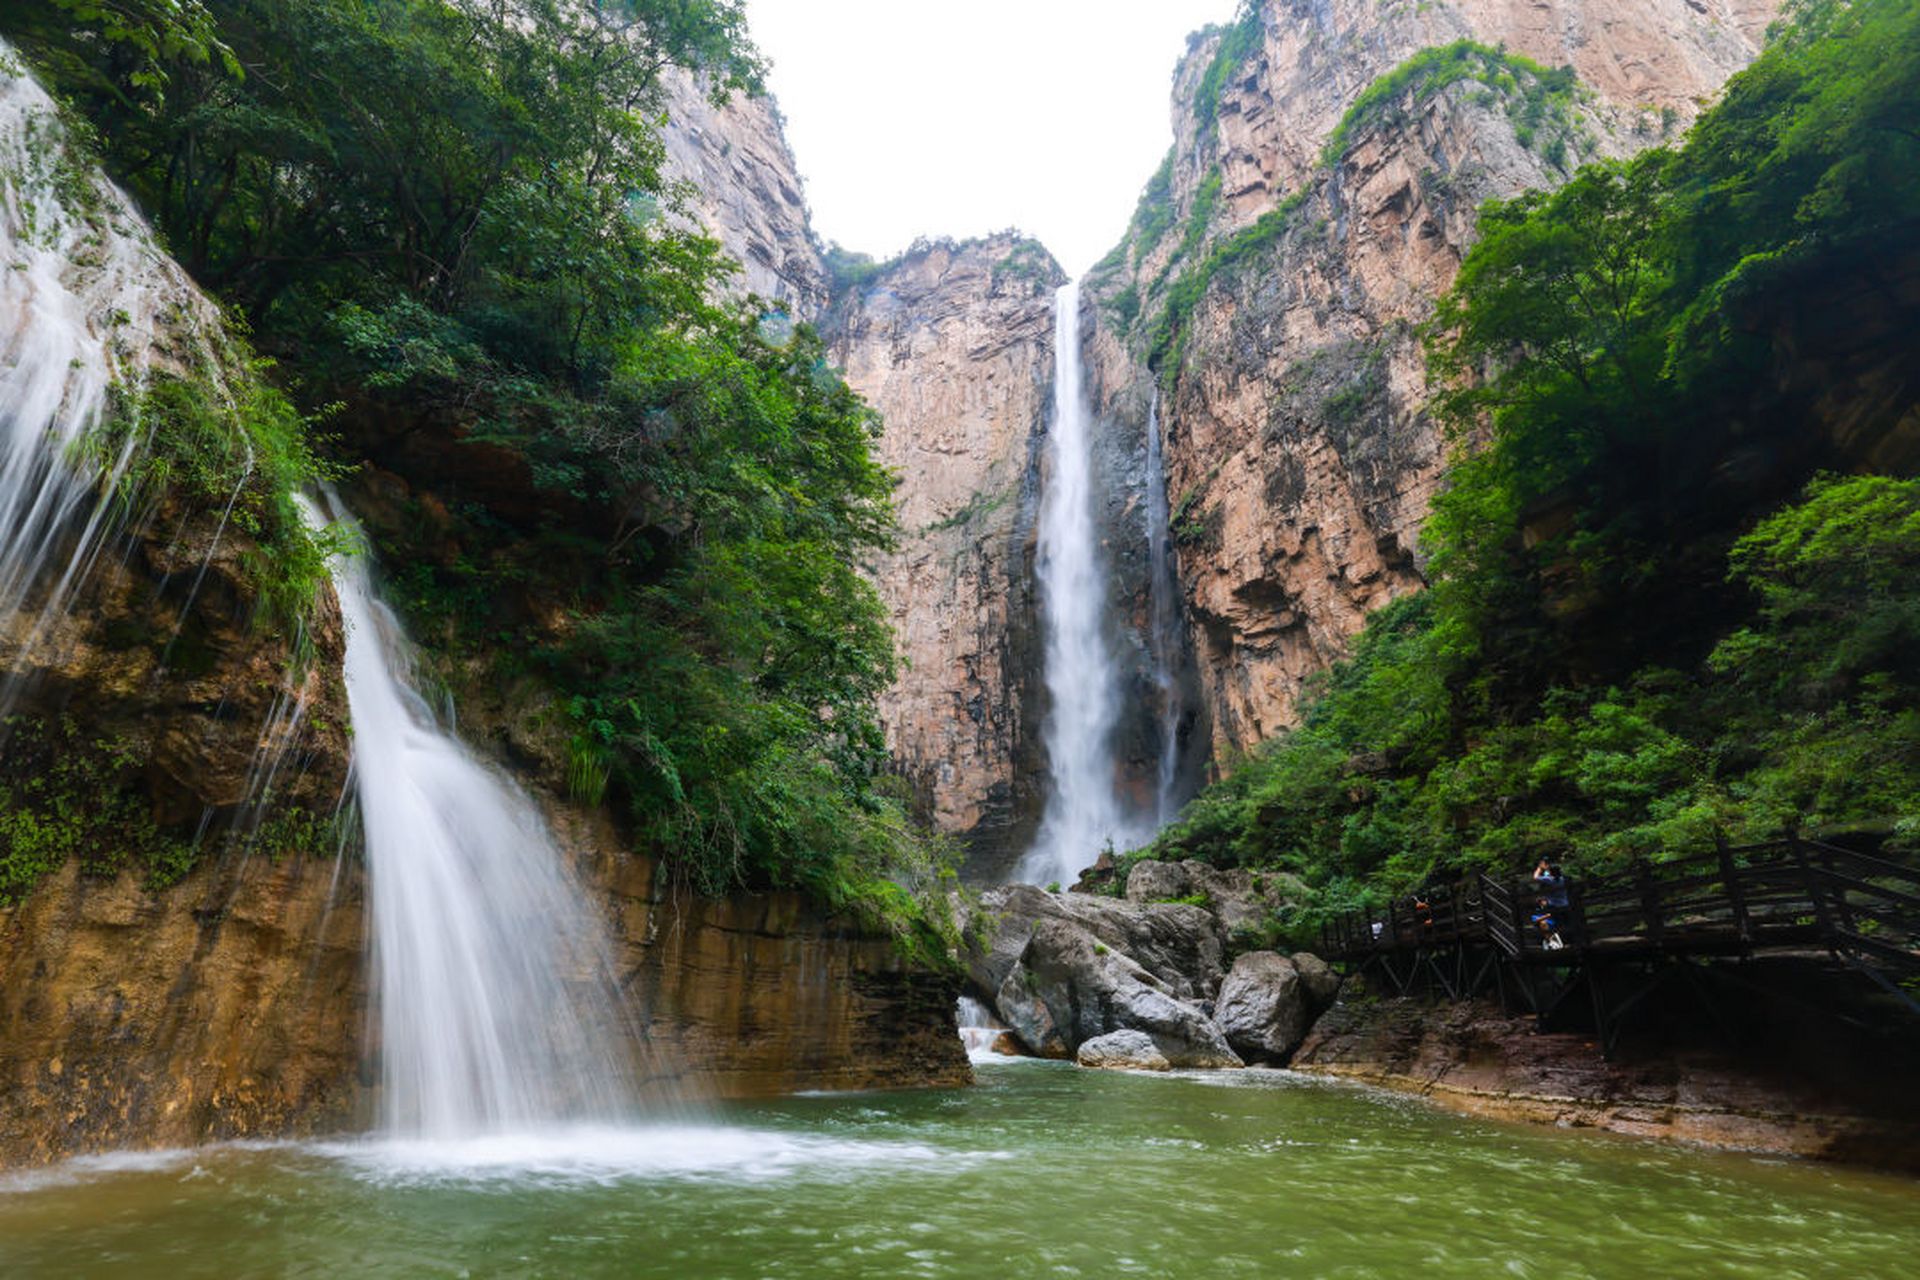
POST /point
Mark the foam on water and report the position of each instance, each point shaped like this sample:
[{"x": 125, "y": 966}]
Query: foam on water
[{"x": 610, "y": 1154}]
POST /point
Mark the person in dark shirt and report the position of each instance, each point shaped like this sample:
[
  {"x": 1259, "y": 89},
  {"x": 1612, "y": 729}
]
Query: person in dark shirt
[{"x": 1551, "y": 908}]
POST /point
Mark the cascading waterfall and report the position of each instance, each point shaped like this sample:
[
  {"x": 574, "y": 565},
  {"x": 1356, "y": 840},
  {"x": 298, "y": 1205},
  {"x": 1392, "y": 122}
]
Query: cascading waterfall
[
  {"x": 978, "y": 1029},
  {"x": 84, "y": 296},
  {"x": 1163, "y": 640},
  {"x": 1083, "y": 811},
  {"x": 498, "y": 1013}
]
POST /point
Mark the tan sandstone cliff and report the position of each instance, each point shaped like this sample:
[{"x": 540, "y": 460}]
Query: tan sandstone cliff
[
  {"x": 740, "y": 182},
  {"x": 1299, "y": 460},
  {"x": 236, "y": 1003},
  {"x": 953, "y": 344}
]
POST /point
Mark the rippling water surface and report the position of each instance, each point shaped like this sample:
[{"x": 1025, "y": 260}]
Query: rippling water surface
[{"x": 1041, "y": 1171}]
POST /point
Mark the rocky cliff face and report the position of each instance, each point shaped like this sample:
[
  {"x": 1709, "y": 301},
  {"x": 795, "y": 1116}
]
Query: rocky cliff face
[
  {"x": 236, "y": 1003},
  {"x": 1299, "y": 458},
  {"x": 953, "y": 344},
  {"x": 151, "y": 722},
  {"x": 1799, "y": 1082},
  {"x": 744, "y": 189}
]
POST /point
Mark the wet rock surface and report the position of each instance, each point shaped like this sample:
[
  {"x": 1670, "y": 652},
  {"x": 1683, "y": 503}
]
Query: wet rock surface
[
  {"x": 1123, "y": 1051},
  {"x": 1798, "y": 1082},
  {"x": 1264, "y": 1007},
  {"x": 1064, "y": 970}
]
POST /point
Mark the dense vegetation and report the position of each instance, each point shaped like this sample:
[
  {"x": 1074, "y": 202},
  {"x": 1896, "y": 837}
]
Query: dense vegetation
[
  {"x": 1652, "y": 619},
  {"x": 1540, "y": 100},
  {"x": 1238, "y": 42},
  {"x": 446, "y": 220}
]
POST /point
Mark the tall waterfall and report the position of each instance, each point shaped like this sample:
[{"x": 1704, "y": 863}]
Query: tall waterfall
[
  {"x": 1164, "y": 625},
  {"x": 1083, "y": 810},
  {"x": 497, "y": 1009}
]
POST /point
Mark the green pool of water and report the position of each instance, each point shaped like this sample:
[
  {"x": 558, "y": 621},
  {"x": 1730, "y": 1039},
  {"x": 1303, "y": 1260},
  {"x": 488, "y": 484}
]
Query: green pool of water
[{"x": 1042, "y": 1170}]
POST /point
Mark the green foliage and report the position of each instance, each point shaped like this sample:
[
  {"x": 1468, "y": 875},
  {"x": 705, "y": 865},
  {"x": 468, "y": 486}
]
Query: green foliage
[
  {"x": 1238, "y": 42},
  {"x": 69, "y": 795},
  {"x": 1153, "y": 217},
  {"x": 241, "y": 449},
  {"x": 1539, "y": 100},
  {"x": 1164, "y": 334},
  {"x": 1124, "y": 307},
  {"x": 1027, "y": 261},
  {"x": 1206, "y": 199},
  {"x": 446, "y": 218},
  {"x": 976, "y": 506},
  {"x": 1615, "y": 659},
  {"x": 851, "y": 271}
]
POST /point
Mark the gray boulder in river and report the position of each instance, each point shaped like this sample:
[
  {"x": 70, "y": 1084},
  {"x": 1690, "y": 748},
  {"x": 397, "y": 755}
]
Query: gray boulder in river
[
  {"x": 1124, "y": 1051},
  {"x": 1068, "y": 987},
  {"x": 1064, "y": 971},
  {"x": 1180, "y": 945},
  {"x": 1268, "y": 1001}
]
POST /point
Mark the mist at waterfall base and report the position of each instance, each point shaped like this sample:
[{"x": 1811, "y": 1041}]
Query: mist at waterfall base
[
  {"x": 1084, "y": 812},
  {"x": 506, "y": 1051}
]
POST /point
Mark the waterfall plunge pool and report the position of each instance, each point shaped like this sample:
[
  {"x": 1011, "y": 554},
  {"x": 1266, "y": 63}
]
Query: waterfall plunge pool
[{"x": 1042, "y": 1170}]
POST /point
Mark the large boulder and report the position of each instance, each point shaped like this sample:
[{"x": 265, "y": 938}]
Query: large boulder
[
  {"x": 1241, "y": 900},
  {"x": 1123, "y": 1051},
  {"x": 1265, "y": 1007},
  {"x": 1323, "y": 984},
  {"x": 1180, "y": 945},
  {"x": 1069, "y": 987},
  {"x": 1152, "y": 881}
]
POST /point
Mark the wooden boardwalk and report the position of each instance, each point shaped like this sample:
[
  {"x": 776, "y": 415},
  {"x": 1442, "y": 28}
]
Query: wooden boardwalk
[{"x": 1791, "y": 896}]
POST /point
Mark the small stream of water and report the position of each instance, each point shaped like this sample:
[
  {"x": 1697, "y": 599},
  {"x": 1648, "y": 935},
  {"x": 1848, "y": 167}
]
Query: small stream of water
[{"x": 1164, "y": 624}]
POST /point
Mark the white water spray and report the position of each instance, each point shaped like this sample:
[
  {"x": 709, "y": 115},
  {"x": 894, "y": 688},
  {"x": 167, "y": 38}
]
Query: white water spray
[
  {"x": 1083, "y": 811},
  {"x": 497, "y": 1009},
  {"x": 978, "y": 1029},
  {"x": 85, "y": 300}
]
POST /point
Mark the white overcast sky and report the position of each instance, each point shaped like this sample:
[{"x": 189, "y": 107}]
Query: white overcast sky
[{"x": 960, "y": 117}]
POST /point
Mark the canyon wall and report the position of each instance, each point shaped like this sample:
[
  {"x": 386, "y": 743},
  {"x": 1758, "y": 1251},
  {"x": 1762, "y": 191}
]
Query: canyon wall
[
  {"x": 182, "y": 925},
  {"x": 953, "y": 344},
  {"x": 741, "y": 185},
  {"x": 1272, "y": 286}
]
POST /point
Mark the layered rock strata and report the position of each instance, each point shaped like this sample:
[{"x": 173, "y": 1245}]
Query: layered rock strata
[
  {"x": 236, "y": 1003},
  {"x": 953, "y": 344},
  {"x": 1299, "y": 456},
  {"x": 741, "y": 185},
  {"x": 1802, "y": 1085}
]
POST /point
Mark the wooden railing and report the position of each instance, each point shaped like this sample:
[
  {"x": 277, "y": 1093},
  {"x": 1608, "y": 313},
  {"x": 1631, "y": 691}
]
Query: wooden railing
[{"x": 1776, "y": 895}]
